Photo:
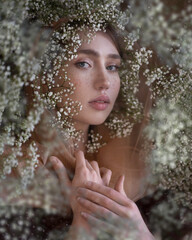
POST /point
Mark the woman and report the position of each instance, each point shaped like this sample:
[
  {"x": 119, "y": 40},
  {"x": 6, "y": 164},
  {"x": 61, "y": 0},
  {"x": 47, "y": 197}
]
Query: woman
[{"x": 78, "y": 86}]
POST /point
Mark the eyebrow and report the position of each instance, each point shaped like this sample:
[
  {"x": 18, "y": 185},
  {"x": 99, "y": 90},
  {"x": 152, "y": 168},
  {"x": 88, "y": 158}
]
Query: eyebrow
[{"x": 96, "y": 54}]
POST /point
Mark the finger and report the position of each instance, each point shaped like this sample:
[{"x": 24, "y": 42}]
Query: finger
[
  {"x": 105, "y": 175},
  {"x": 107, "y": 222},
  {"x": 119, "y": 186},
  {"x": 98, "y": 203},
  {"x": 80, "y": 160},
  {"x": 47, "y": 170},
  {"x": 98, "y": 211},
  {"x": 108, "y": 192},
  {"x": 60, "y": 171},
  {"x": 98, "y": 224},
  {"x": 88, "y": 165},
  {"x": 95, "y": 166},
  {"x": 125, "y": 230}
]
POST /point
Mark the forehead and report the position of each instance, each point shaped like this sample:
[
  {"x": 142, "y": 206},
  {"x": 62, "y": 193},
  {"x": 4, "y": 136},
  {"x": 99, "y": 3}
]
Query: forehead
[{"x": 101, "y": 42}]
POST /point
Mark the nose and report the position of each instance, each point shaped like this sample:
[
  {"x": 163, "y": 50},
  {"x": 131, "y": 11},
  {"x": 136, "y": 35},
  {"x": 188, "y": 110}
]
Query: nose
[{"x": 102, "y": 81}]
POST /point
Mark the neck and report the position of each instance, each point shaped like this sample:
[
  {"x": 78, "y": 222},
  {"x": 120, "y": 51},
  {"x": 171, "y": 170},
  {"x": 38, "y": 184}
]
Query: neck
[{"x": 84, "y": 129}]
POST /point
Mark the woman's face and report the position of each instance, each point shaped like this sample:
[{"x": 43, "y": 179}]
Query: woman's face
[{"x": 95, "y": 76}]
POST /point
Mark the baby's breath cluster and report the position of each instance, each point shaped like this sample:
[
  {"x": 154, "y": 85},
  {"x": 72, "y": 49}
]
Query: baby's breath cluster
[
  {"x": 17, "y": 65},
  {"x": 122, "y": 123},
  {"x": 171, "y": 130},
  {"x": 170, "y": 83},
  {"x": 171, "y": 158},
  {"x": 95, "y": 13},
  {"x": 94, "y": 142},
  {"x": 23, "y": 214},
  {"x": 170, "y": 32},
  {"x": 31, "y": 164}
]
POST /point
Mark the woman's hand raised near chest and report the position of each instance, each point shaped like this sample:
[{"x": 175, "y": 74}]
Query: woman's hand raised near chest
[
  {"x": 89, "y": 171},
  {"x": 84, "y": 171}
]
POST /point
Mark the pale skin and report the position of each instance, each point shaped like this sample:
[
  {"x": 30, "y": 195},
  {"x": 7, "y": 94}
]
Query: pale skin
[{"x": 95, "y": 73}]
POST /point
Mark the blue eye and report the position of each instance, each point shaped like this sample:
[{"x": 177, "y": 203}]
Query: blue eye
[
  {"x": 82, "y": 64},
  {"x": 113, "y": 68}
]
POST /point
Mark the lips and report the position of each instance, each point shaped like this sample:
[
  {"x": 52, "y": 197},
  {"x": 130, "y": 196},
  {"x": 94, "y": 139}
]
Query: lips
[{"x": 100, "y": 103}]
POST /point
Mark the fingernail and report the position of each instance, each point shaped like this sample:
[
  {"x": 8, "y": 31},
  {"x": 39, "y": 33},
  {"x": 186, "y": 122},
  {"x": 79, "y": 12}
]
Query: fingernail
[
  {"x": 84, "y": 214},
  {"x": 79, "y": 199},
  {"x": 53, "y": 159}
]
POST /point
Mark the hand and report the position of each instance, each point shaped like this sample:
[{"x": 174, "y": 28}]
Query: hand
[
  {"x": 84, "y": 171},
  {"x": 89, "y": 171},
  {"x": 106, "y": 203}
]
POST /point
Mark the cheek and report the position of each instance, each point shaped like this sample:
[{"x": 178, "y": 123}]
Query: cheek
[
  {"x": 116, "y": 87},
  {"x": 81, "y": 86},
  {"x": 77, "y": 85},
  {"x": 82, "y": 90},
  {"x": 81, "y": 82},
  {"x": 78, "y": 79}
]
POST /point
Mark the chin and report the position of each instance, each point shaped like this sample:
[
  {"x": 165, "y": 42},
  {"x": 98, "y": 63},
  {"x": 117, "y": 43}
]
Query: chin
[
  {"x": 93, "y": 118},
  {"x": 96, "y": 122},
  {"x": 91, "y": 121},
  {"x": 98, "y": 119}
]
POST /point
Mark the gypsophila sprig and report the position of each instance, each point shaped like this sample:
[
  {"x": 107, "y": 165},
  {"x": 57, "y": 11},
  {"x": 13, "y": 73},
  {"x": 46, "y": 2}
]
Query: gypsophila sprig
[
  {"x": 171, "y": 158},
  {"x": 17, "y": 65},
  {"x": 170, "y": 32},
  {"x": 94, "y": 142}
]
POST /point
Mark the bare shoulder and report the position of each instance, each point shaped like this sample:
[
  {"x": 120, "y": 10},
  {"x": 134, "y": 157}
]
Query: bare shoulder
[
  {"x": 118, "y": 156},
  {"x": 119, "y": 150}
]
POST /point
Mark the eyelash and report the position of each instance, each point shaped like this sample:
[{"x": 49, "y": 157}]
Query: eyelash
[
  {"x": 79, "y": 65},
  {"x": 116, "y": 68}
]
